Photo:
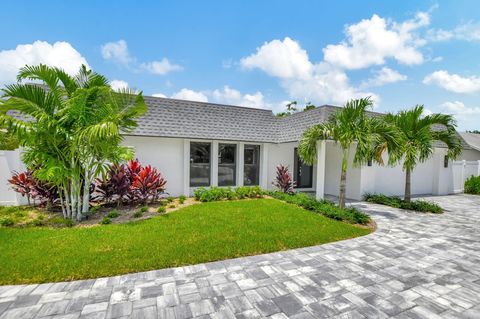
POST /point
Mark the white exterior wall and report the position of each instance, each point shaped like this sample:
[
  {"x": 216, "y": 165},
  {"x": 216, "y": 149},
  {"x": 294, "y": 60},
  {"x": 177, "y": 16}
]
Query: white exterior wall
[
  {"x": 333, "y": 169},
  {"x": 284, "y": 154},
  {"x": 165, "y": 154}
]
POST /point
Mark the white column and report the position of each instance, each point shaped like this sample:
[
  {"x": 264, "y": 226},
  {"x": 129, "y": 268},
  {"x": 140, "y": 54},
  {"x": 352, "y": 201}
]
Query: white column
[
  {"x": 214, "y": 167},
  {"x": 264, "y": 166},
  {"x": 240, "y": 160},
  {"x": 321, "y": 158},
  {"x": 186, "y": 167},
  {"x": 478, "y": 168}
]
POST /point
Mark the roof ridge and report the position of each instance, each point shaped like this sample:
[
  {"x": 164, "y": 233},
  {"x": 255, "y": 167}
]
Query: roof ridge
[{"x": 209, "y": 103}]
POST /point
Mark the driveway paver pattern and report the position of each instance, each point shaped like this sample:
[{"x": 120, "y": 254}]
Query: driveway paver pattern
[{"x": 414, "y": 266}]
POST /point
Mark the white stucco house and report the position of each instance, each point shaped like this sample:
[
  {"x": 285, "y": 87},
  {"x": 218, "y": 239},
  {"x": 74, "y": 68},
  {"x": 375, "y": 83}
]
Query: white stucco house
[{"x": 197, "y": 144}]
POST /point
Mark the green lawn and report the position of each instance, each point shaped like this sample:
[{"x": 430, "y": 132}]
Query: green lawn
[{"x": 194, "y": 234}]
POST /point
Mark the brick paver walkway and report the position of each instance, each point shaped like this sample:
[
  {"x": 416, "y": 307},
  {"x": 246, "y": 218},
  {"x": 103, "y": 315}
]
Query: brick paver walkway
[{"x": 413, "y": 266}]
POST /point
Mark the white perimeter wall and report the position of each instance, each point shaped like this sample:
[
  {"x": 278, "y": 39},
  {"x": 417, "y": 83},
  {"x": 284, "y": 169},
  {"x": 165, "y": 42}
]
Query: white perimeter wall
[{"x": 9, "y": 162}]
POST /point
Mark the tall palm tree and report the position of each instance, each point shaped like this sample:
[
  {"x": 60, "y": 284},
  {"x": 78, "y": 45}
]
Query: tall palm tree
[
  {"x": 350, "y": 125},
  {"x": 417, "y": 136},
  {"x": 70, "y": 128}
]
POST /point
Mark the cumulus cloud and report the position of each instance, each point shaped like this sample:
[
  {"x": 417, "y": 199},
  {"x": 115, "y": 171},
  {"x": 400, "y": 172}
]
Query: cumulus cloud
[
  {"x": 467, "y": 117},
  {"x": 118, "y": 53},
  {"x": 301, "y": 78},
  {"x": 284, "y": 59},
  {"x": 160, "y": 67},
  {"x": 59, "y": 54},
  {"x": 118, "y": 85},
  {"x": 187, "y": 94},
  {"x": 384, "y": 76},
  {"x": 453, "y": 82},
  {"x": 159, "y": 95},
  {"x": 231, "y": 96},
  {"x": 373, "y": 40}
]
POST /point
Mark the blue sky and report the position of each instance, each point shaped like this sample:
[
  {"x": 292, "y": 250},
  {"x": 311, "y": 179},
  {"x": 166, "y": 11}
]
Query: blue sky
[{"x": 262, "y": 53}]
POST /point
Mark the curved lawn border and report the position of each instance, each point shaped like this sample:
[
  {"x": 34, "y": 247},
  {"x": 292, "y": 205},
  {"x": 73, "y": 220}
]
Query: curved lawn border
[{"x": 194, "y": 234}]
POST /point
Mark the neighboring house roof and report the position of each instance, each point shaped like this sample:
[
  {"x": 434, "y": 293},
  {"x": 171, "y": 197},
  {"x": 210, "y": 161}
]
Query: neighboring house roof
[{"x": 471, "y": 139}]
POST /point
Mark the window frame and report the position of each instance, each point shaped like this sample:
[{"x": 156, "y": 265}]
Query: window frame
[{"x": 210, "y": 164}]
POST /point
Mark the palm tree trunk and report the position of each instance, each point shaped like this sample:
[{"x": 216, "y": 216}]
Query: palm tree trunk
[
  {"x": 86, "y": 193},
  {"x": 343, "y": 180},
  {"x": 408, "y": 192}
]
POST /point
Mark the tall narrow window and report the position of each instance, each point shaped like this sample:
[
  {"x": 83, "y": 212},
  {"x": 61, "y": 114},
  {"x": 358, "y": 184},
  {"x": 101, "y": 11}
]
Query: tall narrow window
[
  {"x": 200, "y": 164},
  {"x": 251, "y": 166},
  {"x": 227, "y": 164},
  {"x": 303, "y": 173}
]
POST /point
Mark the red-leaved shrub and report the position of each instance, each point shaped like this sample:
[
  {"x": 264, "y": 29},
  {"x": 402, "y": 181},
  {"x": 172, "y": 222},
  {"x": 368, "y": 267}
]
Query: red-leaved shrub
[{"x": 284, "y": 181}]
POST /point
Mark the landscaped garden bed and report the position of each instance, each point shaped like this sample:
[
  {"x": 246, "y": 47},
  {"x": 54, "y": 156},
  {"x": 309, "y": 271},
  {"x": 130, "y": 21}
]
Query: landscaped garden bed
[
  {"x": 394, "y": 201},
  {"x": 193, "y": 234},
  {"x": 472, "y": 185}
]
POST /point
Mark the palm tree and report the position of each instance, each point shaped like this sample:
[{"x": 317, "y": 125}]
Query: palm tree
[
  {"x": 417, "y": 135},
  {"x": 70, "y": 128},
  {"x": 350, "y": 125}
]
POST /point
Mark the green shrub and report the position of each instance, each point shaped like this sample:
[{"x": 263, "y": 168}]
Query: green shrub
[
  {"x": 323, "y": 207},
  {"x": 169, "y": 199},
  {"x": 105, "y": 221},
  {"x": 144, "y": 209},
  {"x": 182, "y": 199},
  {"x": 113, "y": 214},
  {"x": 172, "y": 206},
  {"x": 396, "y": 202},
  {"x": 162, "y": 202},
  {"x": 472, "y": 185},
  {"x": 60, "y": 222},
  {"x": 138, "y": 214},
  {"x": 161, "y": 209},
  {"x": 7, "y": 222},
  {"x": 213, "y": 194}
]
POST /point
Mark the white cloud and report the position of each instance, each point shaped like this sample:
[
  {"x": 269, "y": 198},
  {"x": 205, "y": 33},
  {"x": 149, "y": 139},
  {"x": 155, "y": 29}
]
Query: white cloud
[
  {"x": 160, "y": 67},
  {"x": 469, "y": 31},
  {"x": 384, "y": 76},
  {"x": 301, "y": 78},
  {"x": 187, "y": 94},
  {"x": 284, "y": 59},
  {"x": 371, "y": 41},
  {"x": 118, "y": 85},
  {"x": 59, "y": 54},
  {"x": 118, "y": 53},
  {"x": 158, "y": 95},
  {"x": 467, "y": 117},
  {"x": 231, "y": 96},
  {"x": 453, "y": 82}
]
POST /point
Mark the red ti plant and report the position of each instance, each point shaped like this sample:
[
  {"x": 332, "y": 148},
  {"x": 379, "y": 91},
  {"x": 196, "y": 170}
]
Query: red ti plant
[
  {"x": 134, "y": 167},
  {"x": 120, "y": 180},
  {"x": 283, "y": 180},
  {"x": 148, "y": 183},
  {"x": 23, "y": 183}
]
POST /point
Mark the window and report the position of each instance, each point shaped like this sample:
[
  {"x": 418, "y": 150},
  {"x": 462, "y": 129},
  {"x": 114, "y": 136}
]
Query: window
[
  {"x": 200, "y": 164},
  {"x": 251, "y": 170},
  {"x": 303, "y": 173},
  {"x": 227, "y": 164}
]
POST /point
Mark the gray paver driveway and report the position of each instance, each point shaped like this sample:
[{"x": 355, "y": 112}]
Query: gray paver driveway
[{"x": 413, "y": 266}]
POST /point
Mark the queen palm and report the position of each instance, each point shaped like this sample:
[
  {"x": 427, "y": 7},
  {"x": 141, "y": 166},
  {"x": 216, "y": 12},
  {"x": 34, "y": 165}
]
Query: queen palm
[
  {"x": 69, "y": 127},
  {"x": 350, "y": 125},
  {"x": 417, "y": 136}
]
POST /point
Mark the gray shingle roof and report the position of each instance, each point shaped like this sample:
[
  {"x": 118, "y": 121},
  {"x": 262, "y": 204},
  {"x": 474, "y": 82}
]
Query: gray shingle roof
[
  {"x": 199, "y": 120},
  {"x": 471, "y": 139}
]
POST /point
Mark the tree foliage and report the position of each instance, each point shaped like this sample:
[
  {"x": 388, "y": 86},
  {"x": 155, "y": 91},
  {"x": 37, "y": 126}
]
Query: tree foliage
[
  {"x": 417, "y": 134},
  {"x": 348, "y": 126},
  {"x": 69, "y": 127}
]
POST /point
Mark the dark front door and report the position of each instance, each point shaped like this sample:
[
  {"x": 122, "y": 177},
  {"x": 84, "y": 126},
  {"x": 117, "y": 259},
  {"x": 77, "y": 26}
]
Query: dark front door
[{"x": 303, "y": 173}]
